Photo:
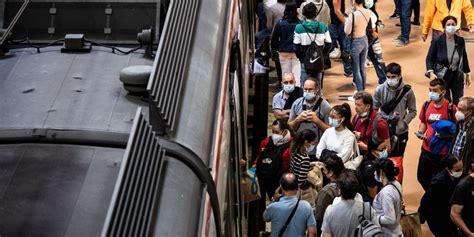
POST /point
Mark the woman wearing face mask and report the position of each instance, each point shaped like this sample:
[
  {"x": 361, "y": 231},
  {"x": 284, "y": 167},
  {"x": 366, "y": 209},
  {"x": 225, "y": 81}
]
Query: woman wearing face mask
[
  {"x": 339, "y": 136},
  {"x": 332, "y": 167},
  {"x": 447, "y": 59},
  {"x": 273, "y": 160},
  {"x": 388, "y": 202},
  {"x": 303, "y": 143},
  {"x": 435, "y": 204}
]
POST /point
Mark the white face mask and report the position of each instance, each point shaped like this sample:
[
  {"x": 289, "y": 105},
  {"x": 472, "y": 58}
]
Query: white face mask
[
  {"x": 456, "y": 174},
  {"x": 310, "y": 148},
  {"x": 276, "y": 138},
  {"x": 459, "y": 115}
]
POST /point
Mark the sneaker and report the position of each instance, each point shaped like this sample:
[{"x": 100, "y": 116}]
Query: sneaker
[
  {"x": 398, "y": 25},
  {"x": 380, "y": 25},
  {"x": 350, "y": 98},
  {"x": 394, "y": 16},
  {"x": 348, "y": 74},
  {"x": 335, "y": 53},
  {"x": 416, "y": 23},
  {"x": 368, "y": 64},
  {"x": 397, "y": 38},
  {"x": 401, "y": 43}
]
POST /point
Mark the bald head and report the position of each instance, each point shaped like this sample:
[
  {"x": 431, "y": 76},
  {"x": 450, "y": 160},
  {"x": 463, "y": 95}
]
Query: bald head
[{"x": 289, "y": 182}]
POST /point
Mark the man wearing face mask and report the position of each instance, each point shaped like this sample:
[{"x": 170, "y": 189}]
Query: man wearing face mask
[
  {"x": 397, "y": 103},
  {"x": 310, "y": 112},
  {"x": 434, "y": 205},
  {"x": 437, "y": 108},
  {"x": 462, "y": 209},
  {"x": 464, "y": 142},
  {"x": 370, "y": 128},
  {"x": 284, "y": 99}
]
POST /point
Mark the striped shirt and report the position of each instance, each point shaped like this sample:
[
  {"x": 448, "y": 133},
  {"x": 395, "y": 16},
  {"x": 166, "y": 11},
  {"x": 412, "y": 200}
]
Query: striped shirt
[{"x": 300, "y": 166}]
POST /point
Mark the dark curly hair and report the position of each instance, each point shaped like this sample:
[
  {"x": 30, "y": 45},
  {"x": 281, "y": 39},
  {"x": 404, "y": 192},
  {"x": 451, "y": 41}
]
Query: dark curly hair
[{"x": 309, "y": 11}]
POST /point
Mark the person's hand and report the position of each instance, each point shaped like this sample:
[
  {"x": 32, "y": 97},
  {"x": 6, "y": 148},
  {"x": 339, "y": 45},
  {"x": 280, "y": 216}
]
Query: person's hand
[
  {"x": 467, "y": 80},
  {"x": 362, "y": 146},
  {"x": 471, "y": 28},
  {"x": 357, "y": 134},
  {"x": 312, "y": 117},
  {"x": 301, "y": 117},
  {"x": 424, "y": 37},
  {"x": 420, "y": 135},
  {"x": 432, "y": 75},
  {"x": 277, "y": 195}
]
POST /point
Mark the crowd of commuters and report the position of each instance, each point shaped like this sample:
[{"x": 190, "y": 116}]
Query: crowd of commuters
[{"x": 345, "y": 159}]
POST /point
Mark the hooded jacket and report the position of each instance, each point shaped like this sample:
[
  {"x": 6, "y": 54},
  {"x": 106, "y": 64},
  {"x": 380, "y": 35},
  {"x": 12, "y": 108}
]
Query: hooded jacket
[
  {"x": 406, "y": 108},
  {"x": 307, "y": 32}
]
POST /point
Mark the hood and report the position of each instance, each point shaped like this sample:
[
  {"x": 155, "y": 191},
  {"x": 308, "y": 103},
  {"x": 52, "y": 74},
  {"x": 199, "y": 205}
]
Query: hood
[{"x": 312, "y": 25}]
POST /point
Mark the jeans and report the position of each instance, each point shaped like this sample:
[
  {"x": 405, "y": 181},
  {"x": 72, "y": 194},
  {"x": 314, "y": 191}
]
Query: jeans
[
  {"x": 317, "y": 76},
  {"x": 428, "y": 166},
  {"x": 338, "y": 36},
  {"x": 359, "y": 55},
  {"x": 415, "y": 8},
  {"x": 405, "y": 12},
  {"x": 291, "y": 64},
  {"x": 375, "y": 55}
]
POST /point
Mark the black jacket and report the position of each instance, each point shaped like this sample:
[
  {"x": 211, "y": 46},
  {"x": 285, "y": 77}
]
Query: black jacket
[{"x": 438, "y": 53}]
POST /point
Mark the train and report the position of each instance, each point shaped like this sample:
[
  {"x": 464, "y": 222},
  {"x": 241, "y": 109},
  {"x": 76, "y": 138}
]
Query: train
[{"x": 82, "y": 156}]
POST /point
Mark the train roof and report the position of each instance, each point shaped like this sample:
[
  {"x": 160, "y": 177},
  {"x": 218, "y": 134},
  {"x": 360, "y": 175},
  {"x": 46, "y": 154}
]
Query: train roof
[{"x": 67, "y": 96}]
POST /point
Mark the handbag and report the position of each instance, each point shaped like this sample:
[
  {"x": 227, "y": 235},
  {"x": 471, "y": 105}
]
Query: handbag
[
  {"x": 249, "y": 186},
  {"x": 356, "y": 158},
  {"x": 411, "y": 226},
  {"x": 346, "y": 56},
  {"x": 440, "y": 70}
]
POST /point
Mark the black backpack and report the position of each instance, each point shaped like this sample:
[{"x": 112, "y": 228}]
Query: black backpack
[
  {"x": 269, "y": 161},
  {"x": 314, "y": 58},
  {"x": 450, "y": 110}
]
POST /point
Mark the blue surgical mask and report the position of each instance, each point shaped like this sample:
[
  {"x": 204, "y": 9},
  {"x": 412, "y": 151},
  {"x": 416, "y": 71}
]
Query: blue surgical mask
[
  {"x": 377, "y": 177},
  {"x": 309, "y": 95},
  {"x": 434, "y": 96},
  {"x": 289, "y": 88},
  {"x": 392, "y": 82},
  {"x": 383, "y": 154},
  {"x": 310, "y": 148},
  {"x": 334, "y": 122},
  {"x": 451, "y": 30}
]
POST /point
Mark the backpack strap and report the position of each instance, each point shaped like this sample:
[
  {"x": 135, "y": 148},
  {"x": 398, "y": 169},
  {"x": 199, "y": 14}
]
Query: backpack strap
[
  {"x": 450, "y": 111},
  {"x": 398, "y": 97},
  {"x": 315, "y": 32},
  {"x": 401, "y": 196},
  {"x": 283, "y": 229}
]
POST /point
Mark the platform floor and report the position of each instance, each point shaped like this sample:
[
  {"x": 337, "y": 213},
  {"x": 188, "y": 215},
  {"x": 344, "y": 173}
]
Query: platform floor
[{"x": 412, "y": 59}]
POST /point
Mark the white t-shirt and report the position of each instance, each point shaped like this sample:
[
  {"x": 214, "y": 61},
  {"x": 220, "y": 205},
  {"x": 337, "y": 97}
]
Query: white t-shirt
[{"x": 341, "y": 142}]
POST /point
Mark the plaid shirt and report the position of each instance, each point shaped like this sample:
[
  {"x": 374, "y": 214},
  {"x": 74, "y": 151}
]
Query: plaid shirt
[{"x": 461, "y": 138}]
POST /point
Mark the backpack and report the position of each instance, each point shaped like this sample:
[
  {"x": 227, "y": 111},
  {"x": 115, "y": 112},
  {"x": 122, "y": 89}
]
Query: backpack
[
  {"x": 375, "y": 138},
  {"x": 313, "y": 58},
  {"x": 366, "y": 227},
  {"x": 270, "y": 160}
]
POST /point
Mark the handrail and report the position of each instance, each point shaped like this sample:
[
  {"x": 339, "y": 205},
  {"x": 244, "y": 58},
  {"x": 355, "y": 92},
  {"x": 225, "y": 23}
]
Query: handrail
[{"x": 15, "y": 19}]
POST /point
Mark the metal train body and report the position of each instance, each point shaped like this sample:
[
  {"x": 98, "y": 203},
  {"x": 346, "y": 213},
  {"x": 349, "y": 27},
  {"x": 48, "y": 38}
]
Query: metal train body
[{"x": 67, "y": 115}]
